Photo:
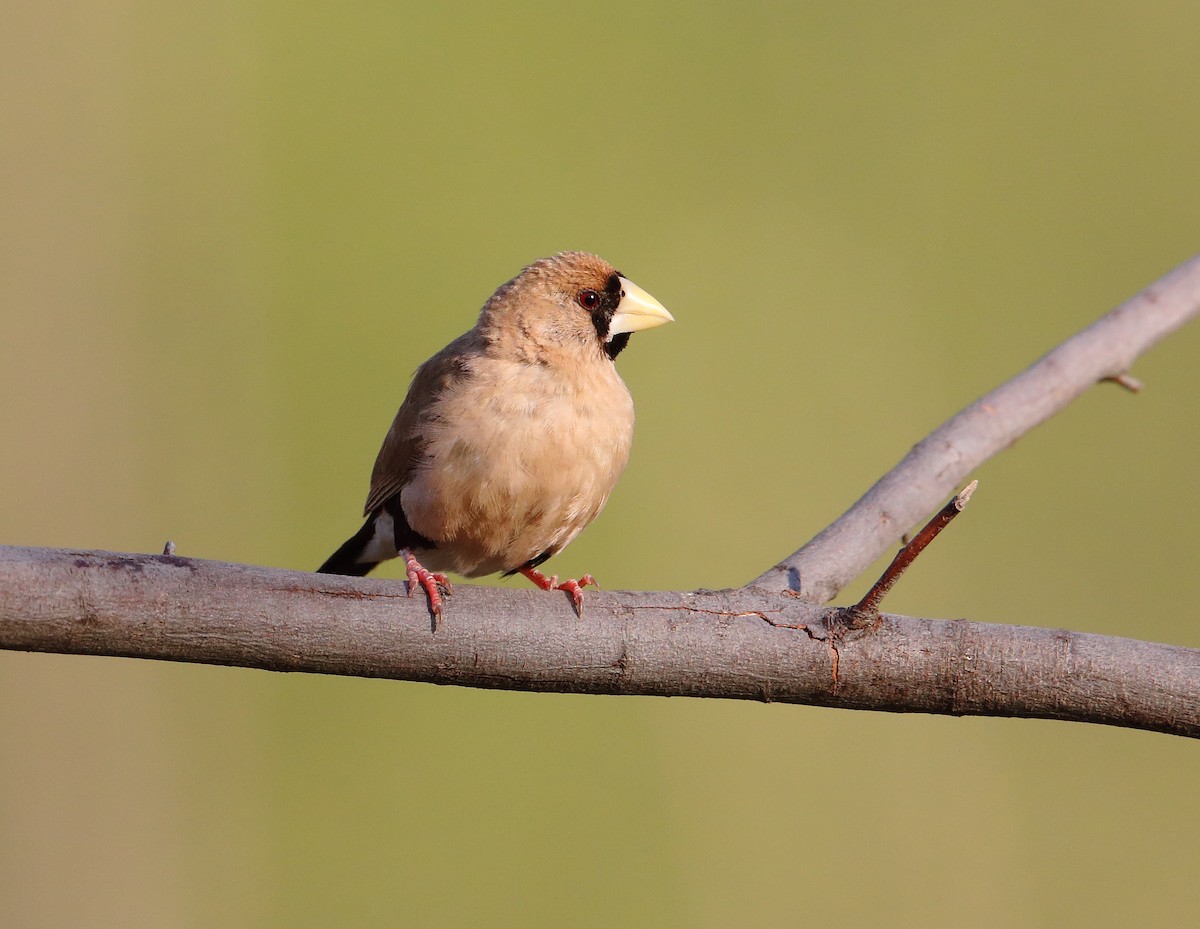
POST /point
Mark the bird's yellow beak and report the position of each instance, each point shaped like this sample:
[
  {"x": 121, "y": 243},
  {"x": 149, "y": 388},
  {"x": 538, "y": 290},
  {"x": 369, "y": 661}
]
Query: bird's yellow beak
[{"x": 636, "y": 311}]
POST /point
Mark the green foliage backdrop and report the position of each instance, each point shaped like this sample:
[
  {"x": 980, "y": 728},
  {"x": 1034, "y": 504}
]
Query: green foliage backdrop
[{"x": 231, "y": 231}]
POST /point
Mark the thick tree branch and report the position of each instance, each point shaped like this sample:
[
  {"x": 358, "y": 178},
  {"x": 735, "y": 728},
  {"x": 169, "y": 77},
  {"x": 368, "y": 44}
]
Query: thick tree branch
[
  {"x": 943, "y": 460},
  {"x": 758, "y": 642},
  {"x": 746, "y": 644}
]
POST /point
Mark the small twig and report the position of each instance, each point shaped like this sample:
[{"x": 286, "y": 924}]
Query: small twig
[
  {"x": 1126, "y": 380},
  {"x": 868, "y": 606}
]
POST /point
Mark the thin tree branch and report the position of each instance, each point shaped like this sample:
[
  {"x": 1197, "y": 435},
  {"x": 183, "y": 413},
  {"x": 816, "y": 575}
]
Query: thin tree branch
[
  {"x": 744, "y": 644},
  {"x": 939, "y": 463}
]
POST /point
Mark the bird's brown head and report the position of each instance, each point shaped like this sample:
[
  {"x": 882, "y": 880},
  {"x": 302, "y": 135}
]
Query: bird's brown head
[{"x": 570, "y": 304}]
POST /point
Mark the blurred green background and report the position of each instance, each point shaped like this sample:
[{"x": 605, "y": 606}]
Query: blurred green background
[{"x": 231, "y": 231}]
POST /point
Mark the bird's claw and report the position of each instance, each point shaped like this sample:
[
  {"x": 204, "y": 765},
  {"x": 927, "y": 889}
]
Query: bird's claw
[
  {"x": 432, "y": 583},
  {"x": 575, "y": 589},
  {"x": 572, "y": 587}
]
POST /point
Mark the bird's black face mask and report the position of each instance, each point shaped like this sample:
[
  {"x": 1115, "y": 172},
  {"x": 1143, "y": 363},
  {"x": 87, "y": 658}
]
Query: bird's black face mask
[{"x": 610, "y": 299}]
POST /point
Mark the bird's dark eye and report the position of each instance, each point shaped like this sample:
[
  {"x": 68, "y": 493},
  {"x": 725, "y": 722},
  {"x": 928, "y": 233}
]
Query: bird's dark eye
[{"x": 588, "y": 299}]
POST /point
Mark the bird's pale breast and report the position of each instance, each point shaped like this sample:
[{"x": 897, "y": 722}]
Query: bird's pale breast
[{"x": 525, "y": 459}]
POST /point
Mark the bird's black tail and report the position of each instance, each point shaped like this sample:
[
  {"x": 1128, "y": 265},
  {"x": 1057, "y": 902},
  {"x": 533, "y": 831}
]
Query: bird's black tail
[{"x": 346, "y": 559}]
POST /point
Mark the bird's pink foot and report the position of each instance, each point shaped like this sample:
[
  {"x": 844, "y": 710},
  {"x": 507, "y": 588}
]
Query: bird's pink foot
[
  {"x": 428, "y": 580},
  {"x": 572, "y": 587}
]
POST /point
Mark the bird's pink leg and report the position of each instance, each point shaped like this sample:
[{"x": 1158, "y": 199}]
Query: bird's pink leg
[
  {"x": 428, "y": 580},
  {"x": 573, "y": 587}
]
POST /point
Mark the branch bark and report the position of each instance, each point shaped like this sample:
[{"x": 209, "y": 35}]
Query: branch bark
[
  {"x": 744, "y": 643},
  {"x": 762, "y": 642}
]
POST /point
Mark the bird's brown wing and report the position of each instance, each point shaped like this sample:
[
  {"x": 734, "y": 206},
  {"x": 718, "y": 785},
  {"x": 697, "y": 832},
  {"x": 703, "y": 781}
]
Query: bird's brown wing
[{"x": 403, "y": 446}]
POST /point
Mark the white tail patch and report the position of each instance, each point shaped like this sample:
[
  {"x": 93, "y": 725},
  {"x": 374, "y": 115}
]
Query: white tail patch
[{"x": 383, "y": 543}]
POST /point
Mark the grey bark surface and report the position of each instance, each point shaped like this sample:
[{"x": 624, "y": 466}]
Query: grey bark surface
[{"x": 745, "y": 643}]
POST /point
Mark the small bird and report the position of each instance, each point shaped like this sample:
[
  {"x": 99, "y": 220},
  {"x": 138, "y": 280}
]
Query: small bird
[{"x": 512, "y": 437}]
